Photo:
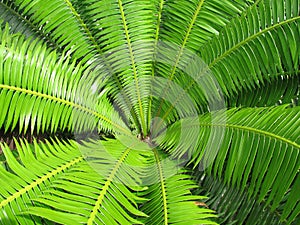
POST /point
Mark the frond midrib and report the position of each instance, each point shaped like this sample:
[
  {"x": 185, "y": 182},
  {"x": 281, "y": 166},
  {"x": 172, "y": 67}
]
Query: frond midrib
[
  {"x": 162, "y": 185},
  {"x": 181, "y": 50},
  {"x": 83, "y": 25},
  {"x": 31, "y": 25},
  {"x": 65, "y": 102},
  {"x": 186, "y": 37},
  {"x": 40, "y": 180},
  {"x": 212, "y": 64},
  {"x": 253, "y": 130},
  {"x": 133, "y": 63},
  {"x": 94, "y": 42},
  {"x": 106, "y": 186},
  {"x": 250, "y": 38},
  {"x": 87, "y": 32},
  {"x": 161, "y": 5}
]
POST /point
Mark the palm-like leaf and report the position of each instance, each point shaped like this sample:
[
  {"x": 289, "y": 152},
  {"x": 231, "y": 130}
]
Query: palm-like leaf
[
  {"x": 56, "y": 174},
  {"x": 106, "y": 70},
  {"x": 267, "y": 169},
  {"x": 60, "y": 89},
  {"x": 171, "y": 201}
]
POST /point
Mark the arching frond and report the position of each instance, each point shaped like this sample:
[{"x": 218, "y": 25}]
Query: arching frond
[
  {"x": 16, "y": 22},
  {"x": 47, "y": 16},
  {"x": 44, "y": 92},
  {"x": 171, "y": 201},
  {"x": 141, "y": 88},
  {"x": 100, "y": 176},
  {"x": 195, "y": 22},
  {"x": 235, "y": 56},
  {"x": 254, "y": 149},
  {"x": 24, "y": 178},
  {"x": 256, "y": 47},
  {"x": 283, "y": 90},
  {"x": 127, "y": 51},
  {"x": 233, "y": 205}
]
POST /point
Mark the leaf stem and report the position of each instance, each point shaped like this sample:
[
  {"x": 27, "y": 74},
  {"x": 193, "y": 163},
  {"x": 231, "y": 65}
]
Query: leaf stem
[
  {"x": 143, "y": 123},
  {"x": 65, "y": 102},
  {"x": 162, "y": 184},
  {"x": 106, "y": 186},
  {"x": 39, "y": 181}
]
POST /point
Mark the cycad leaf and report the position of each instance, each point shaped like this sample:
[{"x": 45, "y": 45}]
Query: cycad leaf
[
  {"x": 283, "y": 90},
  {"x": 25, "y": 179},
  {"x": 54, "y": 174},
  {"x": 47, "y": 93},
  {"x": 233, "y": 205},
  {"x": 250, "y": 52},
  {"x": 17, "y": 22},
  {"x": 56, "y": 20},
  {"x": 117, "y": 67},
  {"x": 256, "y": 149},
  {"x": 103, "y": 186},
  {"x": 128, "y": 49},
  {"x": 195, "y": 22},
  {"x": 171, "y": 201},
  {"x": 256, "y": 47}
]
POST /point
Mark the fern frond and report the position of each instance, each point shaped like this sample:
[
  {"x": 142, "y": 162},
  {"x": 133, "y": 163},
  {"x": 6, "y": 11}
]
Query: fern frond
[
  {"x": 108, "y": 179},
  {"x": 233, "y": 205},
  {"x": 195, "y": 23},
  {"x": 129, "y": 49},
  {"x": 255, "y": 149},
  {"x": 234, "y": 57},
  {"x": 283, "y": 90},
  {"x": 16, "y": 22},
  {"x": 170, "y": 199},
  {"x": 100, "y": 176},
  {"x": 36, "y": 84},
  {"x": 27, "y": 176},
  {"x": 67, "y": 32},
  {"x": 256, "y": 47}
]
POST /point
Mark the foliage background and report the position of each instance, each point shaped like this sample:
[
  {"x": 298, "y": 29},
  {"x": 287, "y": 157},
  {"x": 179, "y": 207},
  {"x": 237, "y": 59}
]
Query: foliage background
[{"x": 81, "y": 142}]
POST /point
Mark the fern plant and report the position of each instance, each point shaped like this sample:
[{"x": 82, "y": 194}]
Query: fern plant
[{"x": 149, "y": 112}]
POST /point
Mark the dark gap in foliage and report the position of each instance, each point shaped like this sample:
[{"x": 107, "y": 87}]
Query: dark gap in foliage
[
  {"x": 285, "y": 89},
  {"x": 8, "y": 137},
  {"x": 232, "y": 204}
]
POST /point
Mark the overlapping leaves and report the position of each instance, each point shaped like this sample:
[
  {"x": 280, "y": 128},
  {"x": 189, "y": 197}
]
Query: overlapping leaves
[
  {"x": 258, "y": 152},
  {"x": 113, "y": 66}
]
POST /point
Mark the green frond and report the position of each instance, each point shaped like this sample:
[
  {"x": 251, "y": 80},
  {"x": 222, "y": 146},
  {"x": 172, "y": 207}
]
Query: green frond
[
  {"x": 233, "y": 205},
  {"x": 128, "y": 49},
  {"x": 105, "y": 186},
  {"x": 256, "y": 47},
  {"x": 195, "y": 23},
  {"x": 141, "y": 88},
  {"x": 170, "y": 198},
  {"x": 234, "y": 58},
  {"x": 56, "y": 21},
  {"x": 191, "y": 24},
  {"x": 73, "y": 34},
  {"x": 46, "y": 93},
  {"x": 8, "y": 14},
  {"x": 283, "y": 90},
  {"x": 254, "y": 149},
  {"x": 48, "y": 177},
  {"x": 25, "y": 177}
]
